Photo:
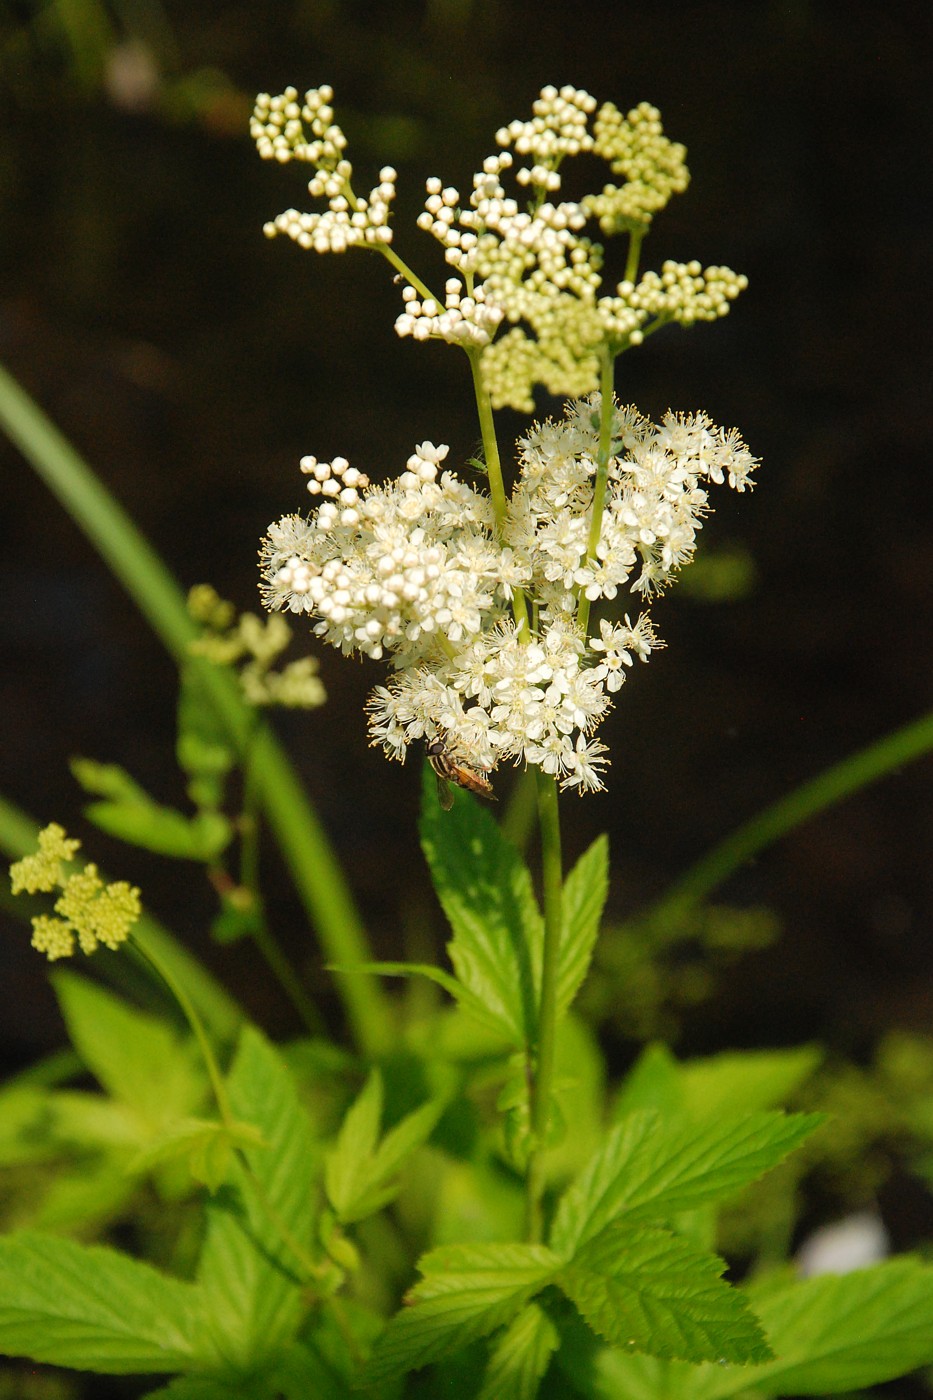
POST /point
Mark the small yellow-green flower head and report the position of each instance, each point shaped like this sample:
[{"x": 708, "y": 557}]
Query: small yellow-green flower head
[
  {"x": 89, "y": 910},
  {"x": 43, "y": 871},
  {"x": 228, "y": 640}
]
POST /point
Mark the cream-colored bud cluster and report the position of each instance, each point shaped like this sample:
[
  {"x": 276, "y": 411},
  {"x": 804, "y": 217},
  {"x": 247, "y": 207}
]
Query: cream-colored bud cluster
[
  {"x": 278, "y": 129},
  {"x": 340, "y": 484},
  {"x": 684, "y": 292},
  {"x": 558, "y": 128},
  {"x": 561, "y": 356},
  {"x": 463, "y": 320},
  {"x": 654, "y": 167}
]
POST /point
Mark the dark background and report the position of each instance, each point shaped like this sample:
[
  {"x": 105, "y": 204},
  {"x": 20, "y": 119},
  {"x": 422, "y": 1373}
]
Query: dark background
[{"x": 193, "y": 363}]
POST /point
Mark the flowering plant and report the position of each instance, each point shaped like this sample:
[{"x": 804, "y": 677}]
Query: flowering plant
[
  {"x": 482, "y": 600},
  {"x": 565, "y": 1237}
]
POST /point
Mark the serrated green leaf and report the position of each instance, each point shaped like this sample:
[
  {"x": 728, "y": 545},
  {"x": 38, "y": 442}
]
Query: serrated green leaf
[
  {"x": 584, "y": 897},
  {"x": 487, "y": 894},
  {"x": 93, "y": 1309},
  {"x": 346, "y": 1163},
  {"x": 137, "y": 1057},
  {"x": 647, "y": 1290},
  {"x": 359, "y": 1170},
  {"x": 467, "y": 1292},
  {"x": 652, "y": 1168},
  {"x": 521, "y": 1356},
  {"x": 251, "y": 1279},
  {"x": 835, "y": 1333}
]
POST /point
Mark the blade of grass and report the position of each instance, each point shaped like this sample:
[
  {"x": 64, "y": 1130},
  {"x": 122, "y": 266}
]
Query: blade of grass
[
  {"x": 857, "y": 771},
  {"x": 313, "y": 863}
]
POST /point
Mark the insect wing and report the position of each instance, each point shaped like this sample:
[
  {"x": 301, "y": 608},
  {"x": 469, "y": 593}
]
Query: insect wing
[{"x": 445, "y": 794}]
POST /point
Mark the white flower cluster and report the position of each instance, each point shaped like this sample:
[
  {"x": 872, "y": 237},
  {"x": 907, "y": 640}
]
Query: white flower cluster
[
  {"x": 277, "y": 127},
  {"x": 416, "y": 570}
]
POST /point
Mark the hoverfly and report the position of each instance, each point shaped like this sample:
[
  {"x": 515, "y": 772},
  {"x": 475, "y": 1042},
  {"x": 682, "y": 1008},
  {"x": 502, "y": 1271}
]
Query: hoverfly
[{"x": 451, "y": 769}]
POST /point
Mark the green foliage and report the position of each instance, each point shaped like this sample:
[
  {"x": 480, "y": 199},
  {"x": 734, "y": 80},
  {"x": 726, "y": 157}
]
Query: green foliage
[
  {"x": 130, "y": 814},
  {"x": 487, "y": 894},
  {"x": 361, "y": 1173},
  {"x": 646, "y": 1290},
  {"x": 829, "y": 1335},
  {"x": 93, "y": 1309},
  {"x": 466, "y": 1292}
]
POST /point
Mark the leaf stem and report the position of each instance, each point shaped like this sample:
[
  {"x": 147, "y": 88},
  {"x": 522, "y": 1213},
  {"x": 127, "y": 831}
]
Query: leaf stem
[
  {"x": 178, "y": 991},
  {"x": 313, "y": 1270},
  {"x": 542, "y": 1084}
]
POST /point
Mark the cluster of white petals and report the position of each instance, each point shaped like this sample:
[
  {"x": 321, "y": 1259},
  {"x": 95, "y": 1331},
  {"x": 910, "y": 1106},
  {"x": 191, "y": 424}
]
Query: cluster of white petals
[
  {"x": 417, "y": 571},
  {"x": 278, "y": 128}
]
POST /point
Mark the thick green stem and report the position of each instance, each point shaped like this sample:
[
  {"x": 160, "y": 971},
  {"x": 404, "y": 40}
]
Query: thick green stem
[
  {"x": 542, "y": 1082},
  {"x": 261, "y": 934},
  {"x": 313, "y": 862},
  {"x": 604, "y": 452},
  {"x": 494, "y": 476}
]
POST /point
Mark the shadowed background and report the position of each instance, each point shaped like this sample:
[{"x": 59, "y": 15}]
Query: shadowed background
[{"x": 193, "y": 363}]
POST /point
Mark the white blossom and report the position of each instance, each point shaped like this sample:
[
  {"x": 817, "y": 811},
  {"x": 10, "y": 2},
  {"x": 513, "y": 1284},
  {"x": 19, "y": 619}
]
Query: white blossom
[{"x": 417, "y": 572}]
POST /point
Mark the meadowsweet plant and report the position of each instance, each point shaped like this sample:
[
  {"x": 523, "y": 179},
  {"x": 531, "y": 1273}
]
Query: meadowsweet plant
[
  {"x": 455, "y": 1205},
  {"x": 481, "y": 598}
]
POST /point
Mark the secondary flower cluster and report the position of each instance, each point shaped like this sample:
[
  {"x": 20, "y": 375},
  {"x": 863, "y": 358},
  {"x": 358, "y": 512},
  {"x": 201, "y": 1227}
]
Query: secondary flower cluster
[
  {"x": 257, "y": 643},
  {"x": 418, "y": 570},
  {"x": 529, "y": 265},
  {"x": 89, "y": 910}
]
